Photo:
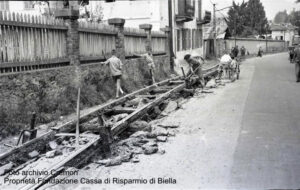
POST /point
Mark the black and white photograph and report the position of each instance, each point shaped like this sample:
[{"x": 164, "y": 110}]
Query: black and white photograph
[{"x": 149, "y": 94}]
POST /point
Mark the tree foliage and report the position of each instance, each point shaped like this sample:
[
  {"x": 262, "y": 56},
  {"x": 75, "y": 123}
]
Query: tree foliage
[
  {"x": 281, "y": 17},
  {"x": 237, "y": 19},
  {"x": 294, "y": 19},
  {"x": 247, "y": 18}
]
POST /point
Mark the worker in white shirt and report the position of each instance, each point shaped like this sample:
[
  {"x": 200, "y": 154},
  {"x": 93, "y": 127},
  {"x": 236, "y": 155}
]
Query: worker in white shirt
[
  {"x": 149, "y": 60},
  {"x": 115, "y": 66},
  {"x": 224, "y": 65}
]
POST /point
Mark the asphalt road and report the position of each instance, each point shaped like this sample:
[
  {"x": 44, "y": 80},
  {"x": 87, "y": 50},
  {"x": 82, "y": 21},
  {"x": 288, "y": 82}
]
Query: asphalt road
[
  {"x": 268, "y": 149},
  {"x": 246, "y": 135}
]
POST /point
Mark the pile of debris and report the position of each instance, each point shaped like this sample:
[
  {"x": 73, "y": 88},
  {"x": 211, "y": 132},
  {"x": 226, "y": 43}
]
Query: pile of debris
[
  {"x": 144, "y": 139},
  {"x": 53, "y": 151}
]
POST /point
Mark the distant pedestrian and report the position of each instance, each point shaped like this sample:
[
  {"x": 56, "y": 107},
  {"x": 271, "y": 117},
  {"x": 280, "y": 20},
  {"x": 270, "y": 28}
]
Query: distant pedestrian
[
  {"x": 150, "y": 62},
  {"x": 260, "y": 52},
  {"x": 195, "y": 67},
  {"x": 291, "y": 54},
  {"x": 243, "y": 51},
  {"x": 235, "y": 51},
  {"x": 115, "y": 66},
  {"x": 297, "y": 62}
]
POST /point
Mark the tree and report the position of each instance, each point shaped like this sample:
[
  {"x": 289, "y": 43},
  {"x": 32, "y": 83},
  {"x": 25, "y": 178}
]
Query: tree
[
  {"x": 256, "y": 16},
  {"x": 294, "y": 19},
  {"x": 97, "y": 13},
  {"x": 281, "y": 17},
  {"x": 249, "y": 18},
  {"x": 236, "y": 18},
  {"x": 42, "y": 6}
]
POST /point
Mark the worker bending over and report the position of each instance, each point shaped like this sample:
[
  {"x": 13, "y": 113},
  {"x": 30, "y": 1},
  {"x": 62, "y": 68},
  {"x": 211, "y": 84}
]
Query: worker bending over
[{"x": 195, "y": 67}]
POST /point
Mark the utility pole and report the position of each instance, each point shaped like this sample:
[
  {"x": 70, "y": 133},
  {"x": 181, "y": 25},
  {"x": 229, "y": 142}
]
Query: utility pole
[
  {"x": 266, "y": 41},
  {"x": 235, "y": 15},
  {"x": 171, "y": 34},
  {"x": 215, "y": 30},
  {"x": 284, "y": 39}
]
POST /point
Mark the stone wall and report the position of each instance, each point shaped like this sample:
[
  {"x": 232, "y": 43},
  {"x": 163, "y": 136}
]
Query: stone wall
[{"x": 52, "y": 93}]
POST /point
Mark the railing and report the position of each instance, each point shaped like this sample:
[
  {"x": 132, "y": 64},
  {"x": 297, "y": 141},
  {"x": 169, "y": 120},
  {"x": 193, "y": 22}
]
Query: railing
[{"x": 25, "y": 38}]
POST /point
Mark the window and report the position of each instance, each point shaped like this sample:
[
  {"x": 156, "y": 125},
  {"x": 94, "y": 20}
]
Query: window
[
  {"x": 199, "y": 38},
  {"x": 189, "y": 39},
  {"x": 4, "y": 5},
  {"x": 186, "y": 7},
  {"x": 179, "y": 39},
  {"x": 28, "y": 4},
  {"x": 186, "y": 39},
  {"x": 196, "y": 38}
]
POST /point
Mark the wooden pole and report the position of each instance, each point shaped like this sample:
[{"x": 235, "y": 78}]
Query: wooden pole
[
  {"x": 78, "y": 117},
  {"x": 235, "y": 15},
  {"x": 105, "y": 135},
  {"x": 170, "y": 37},
  {"x": 183, "y": 74},
  {"x": 215, "y": 31}
]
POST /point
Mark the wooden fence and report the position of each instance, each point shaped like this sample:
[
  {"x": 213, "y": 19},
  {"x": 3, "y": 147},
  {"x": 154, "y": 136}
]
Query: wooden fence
[
  {"x": 158, "y": 42},
  {"x": 96, "y": 40},
  {"x": 135, "y": 41},
  {"x": 39, "y": 40},
  {"x": 25, "y": 38}
]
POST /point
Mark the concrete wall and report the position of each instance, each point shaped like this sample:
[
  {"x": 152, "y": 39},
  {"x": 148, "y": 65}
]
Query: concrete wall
[
  {"x": 52, "y": 93},
  {"x": 252, "y": 45}
]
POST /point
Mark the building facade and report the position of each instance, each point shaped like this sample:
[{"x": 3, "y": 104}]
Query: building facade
[
  {"x": 185, "y": 18},
  {"x": 18, "y": 6},
  {"x": 187, "y": 32},
  {"x": 284, "y": 32}
]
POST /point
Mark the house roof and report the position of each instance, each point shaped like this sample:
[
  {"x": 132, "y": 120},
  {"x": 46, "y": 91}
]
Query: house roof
[
  {"x": 221, "y": 28},
  {"x": 282, "y": 27}
]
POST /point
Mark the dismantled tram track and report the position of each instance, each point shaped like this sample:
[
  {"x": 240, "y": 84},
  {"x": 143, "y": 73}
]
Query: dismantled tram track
[{"x": 80, "y": 155}]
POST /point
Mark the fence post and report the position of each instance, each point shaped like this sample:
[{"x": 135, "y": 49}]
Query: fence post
[
  {"x": 70, "y": 16},
  {"x": 147, "y": 28},
  {"x": 73, "y": 41},
  {"x": 118, "y": 23},
  {"x": 167, "y": 33}
]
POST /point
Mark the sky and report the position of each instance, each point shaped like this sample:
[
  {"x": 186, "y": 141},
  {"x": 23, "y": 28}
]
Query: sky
[{"x": 271, "y": 6}]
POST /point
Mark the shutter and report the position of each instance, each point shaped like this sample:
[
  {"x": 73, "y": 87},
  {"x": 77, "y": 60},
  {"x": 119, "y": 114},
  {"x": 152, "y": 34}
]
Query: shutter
[
  {"x": 181, "y": 7},
  {"x": 178, "y": 40}
]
